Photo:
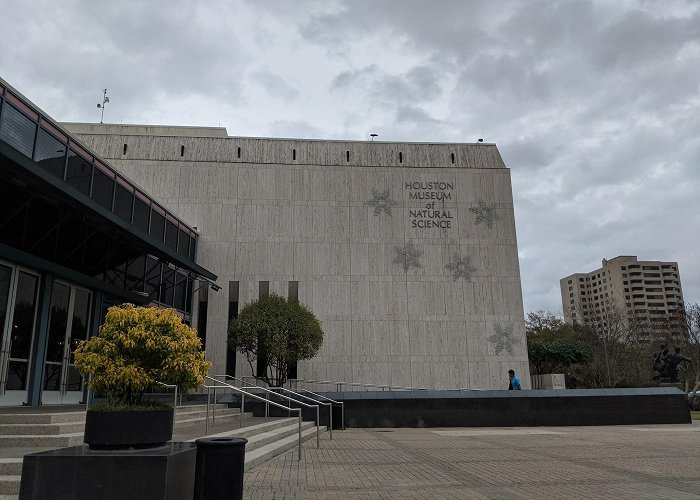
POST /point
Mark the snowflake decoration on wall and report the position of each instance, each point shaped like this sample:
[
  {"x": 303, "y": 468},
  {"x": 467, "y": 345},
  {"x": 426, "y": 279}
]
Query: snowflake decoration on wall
[
  {"x": 484, "y": 213},
  {"x": 461, "y": 267},
  {"x": 408, "y": 256},
  {"x": 503, "y": 339},
  {"x": 381, "y": 202}
]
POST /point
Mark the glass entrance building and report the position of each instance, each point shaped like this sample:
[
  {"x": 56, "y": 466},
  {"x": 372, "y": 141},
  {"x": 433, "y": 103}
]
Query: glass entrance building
[{"x": 76, "y": 236}]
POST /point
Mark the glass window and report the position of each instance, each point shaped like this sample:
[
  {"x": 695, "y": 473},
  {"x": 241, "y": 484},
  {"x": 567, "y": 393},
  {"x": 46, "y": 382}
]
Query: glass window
[
  {"x": 203, "y": 301},
  {"x": 22, "y": 329},
  {"x": 5, "y": 275},
  {"x": 123, "y": 201},
  {"x": 193, "y": 242},
  {"x": 261, "y": 362},
  {"x": 136, "y": 273},
  {"x": 79, "y": 172},
  {"x": 58, "y": 322},
  {"x": 183, "y": 244},
  {"x": 17, "y": 130},
  {"x": 157, "y": 224},
  {"x": 103, "y": 188},
  {"x": 293, "y": 290},
  {"x": 167, "y": 287},
  {"x": 180, "y": 291},
  {"x": 116, "y": 271},
  {"x": 153, "y": 269},
  {"x": 188, "y": 299},
  {"x": 142, "y": 213},
  {"x": 171, "y": 235},
  {"x": 78, "y": 333},
  {"x": 233, "y": 289},
  {"x": 50, "y": 153},
  {"x": 293, "y": 294}
]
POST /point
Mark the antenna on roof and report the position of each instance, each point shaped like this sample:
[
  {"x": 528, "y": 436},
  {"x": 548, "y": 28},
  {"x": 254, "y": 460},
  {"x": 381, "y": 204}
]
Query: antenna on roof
[
  {"x": 105, "y": 100},
  {"x": 373, "y": 135}
]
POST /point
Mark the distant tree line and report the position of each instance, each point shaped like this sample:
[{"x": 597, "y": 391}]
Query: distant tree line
[{"x": 616, "y": 352}]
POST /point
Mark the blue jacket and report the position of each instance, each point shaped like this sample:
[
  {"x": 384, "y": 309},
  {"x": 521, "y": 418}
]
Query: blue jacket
[{"x": 515, "y": 381}]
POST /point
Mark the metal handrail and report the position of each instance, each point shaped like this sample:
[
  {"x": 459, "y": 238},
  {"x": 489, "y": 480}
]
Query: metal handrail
[
  {"x": 330, "y": 406},
  {"x": 170, "y": 386},
  {"x": 339, "y": 385},
  {"x": 213, "y": 413},
  {"x": 89, "y": 394},
  {"x": 267, "y": 411},
  {"x": 272, "y": 389},
  {"x": 254, "y": 396},
  {"x": 333, "y": 401}
]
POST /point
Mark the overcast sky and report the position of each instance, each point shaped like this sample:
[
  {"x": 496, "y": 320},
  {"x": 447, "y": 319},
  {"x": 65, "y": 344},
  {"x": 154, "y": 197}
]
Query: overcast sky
[{"x": 595, "y": 106}]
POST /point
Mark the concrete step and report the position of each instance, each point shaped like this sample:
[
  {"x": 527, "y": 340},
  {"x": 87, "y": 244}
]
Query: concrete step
[
  {"x": 42, "y": 418},
  {"x": 266, "y": 452},
  {"x": 220, "y": 410},
  {"x": 265, "y": 438},
  {"x": 221, "y": 418},
  {"x": 10, "y": 475},
  {"x": 268, "y": 439},
  {"x": 251, "y": 431},
  {"x": 194, "y": 407},
  {"x": 44, "y": 441},
  {"x": 265, "y": 441},
  {"x": 41, "y": 429},
  {"x": 9, "y": 485},
  {"x": 9, "y": 466}
]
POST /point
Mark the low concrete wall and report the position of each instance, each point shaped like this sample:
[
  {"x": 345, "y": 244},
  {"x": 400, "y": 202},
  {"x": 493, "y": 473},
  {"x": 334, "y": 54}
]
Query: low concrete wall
[
  {"x": 513, "y": 408},
  {"x": 548, "y": 381}
]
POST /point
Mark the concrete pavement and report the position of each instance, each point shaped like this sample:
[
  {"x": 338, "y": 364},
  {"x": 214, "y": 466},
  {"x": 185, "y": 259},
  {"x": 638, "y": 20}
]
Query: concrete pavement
[{"x": 620, "y": 462}]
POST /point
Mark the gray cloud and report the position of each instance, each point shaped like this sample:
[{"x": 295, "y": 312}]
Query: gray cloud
[
  {"x": 418, "y": 84},
  {"x": 275, "y": 85},
  {"x": 595, "y": 105},
  {"x": 412, "y": 114}
]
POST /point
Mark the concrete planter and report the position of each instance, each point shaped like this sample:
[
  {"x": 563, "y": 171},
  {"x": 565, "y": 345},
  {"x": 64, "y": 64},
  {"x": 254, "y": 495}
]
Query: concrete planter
[{"x": 128, "y": 429}]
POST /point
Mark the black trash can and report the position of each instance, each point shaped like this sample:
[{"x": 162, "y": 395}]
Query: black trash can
[{"x": 218, "y": 473}]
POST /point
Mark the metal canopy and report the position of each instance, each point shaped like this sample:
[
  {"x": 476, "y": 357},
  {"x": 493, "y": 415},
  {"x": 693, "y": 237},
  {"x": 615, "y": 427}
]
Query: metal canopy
[{"x": 21, "y": 171}]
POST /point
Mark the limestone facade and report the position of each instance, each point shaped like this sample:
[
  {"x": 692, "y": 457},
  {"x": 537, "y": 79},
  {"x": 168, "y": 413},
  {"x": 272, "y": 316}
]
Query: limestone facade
[{"x": 406, "y": 252}]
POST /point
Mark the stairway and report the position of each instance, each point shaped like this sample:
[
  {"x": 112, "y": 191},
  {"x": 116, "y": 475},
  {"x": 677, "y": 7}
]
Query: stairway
[{"x": 23, "y": 433}]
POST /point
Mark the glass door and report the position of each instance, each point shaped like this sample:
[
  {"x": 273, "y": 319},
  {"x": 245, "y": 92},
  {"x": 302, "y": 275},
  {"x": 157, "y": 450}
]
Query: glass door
[
  {"x": 18, "y": 299},
  {"x": 68, "y": 325}
]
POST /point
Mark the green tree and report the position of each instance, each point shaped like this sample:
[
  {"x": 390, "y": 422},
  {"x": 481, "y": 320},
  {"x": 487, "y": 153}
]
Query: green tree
[
  {"x": 690, "y": 371},
  {"x": 277, "y": 331},
  {"x": 552, "y": 345},
  {"x": 542, "y": 321}
]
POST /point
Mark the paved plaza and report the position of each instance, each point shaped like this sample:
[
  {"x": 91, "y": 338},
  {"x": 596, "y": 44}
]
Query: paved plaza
[{"x": 619, "y": 462}]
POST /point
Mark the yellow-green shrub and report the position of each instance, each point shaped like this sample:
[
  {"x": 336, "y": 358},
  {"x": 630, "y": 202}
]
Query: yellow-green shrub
[{"x": 138, "y": 346}]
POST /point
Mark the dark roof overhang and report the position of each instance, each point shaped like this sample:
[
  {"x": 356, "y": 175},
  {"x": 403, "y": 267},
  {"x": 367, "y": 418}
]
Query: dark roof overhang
[{"x": 30, "y": 172}]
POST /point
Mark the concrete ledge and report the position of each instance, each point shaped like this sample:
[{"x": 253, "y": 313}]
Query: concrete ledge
[
  {"x": 78, "y": 473},
  {"x": 663, "y": 405}
]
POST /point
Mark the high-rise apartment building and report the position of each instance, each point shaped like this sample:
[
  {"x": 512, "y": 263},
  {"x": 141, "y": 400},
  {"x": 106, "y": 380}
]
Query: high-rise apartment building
[{"x": 647, "y": 292}]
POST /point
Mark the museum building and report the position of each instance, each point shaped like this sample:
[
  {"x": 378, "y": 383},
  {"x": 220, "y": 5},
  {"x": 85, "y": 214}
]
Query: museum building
[{"x": 406, "y": 252}]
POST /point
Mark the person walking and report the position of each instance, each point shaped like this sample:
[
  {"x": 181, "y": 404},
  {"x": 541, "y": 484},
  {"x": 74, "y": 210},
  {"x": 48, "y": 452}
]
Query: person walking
[{"x": 514, "y": 384}]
